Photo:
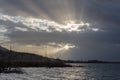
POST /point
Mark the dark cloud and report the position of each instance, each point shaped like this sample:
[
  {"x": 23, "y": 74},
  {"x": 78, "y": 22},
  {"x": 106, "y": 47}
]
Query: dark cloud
[{"x": 78, "y": 39}]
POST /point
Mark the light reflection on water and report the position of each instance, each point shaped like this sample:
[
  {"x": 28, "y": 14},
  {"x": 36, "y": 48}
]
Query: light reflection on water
[{"x": 89, "y": 72}]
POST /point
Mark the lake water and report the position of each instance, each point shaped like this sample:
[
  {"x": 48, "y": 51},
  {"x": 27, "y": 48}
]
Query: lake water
[{"x": 89, "y": 72}]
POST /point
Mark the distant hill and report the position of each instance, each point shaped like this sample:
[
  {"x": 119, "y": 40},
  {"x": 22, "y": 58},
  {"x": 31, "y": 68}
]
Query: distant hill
[
  {"x": 90, "y": 61},
  {"x": 21, "y": 59},
  {"x": 6, "y": 54}
]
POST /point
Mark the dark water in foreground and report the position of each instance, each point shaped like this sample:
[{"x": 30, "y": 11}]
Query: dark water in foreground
[{"x": 89, "y": 72}]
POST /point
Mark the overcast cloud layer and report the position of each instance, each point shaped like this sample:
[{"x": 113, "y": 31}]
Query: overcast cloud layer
[{"x": 91, "y": 26}]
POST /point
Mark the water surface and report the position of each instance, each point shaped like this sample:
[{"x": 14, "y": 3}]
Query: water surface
[{"x": 89, "y": 72}]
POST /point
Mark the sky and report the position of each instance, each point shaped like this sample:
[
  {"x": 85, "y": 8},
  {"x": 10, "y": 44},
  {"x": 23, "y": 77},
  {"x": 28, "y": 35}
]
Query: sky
[{"x": 66, "y": 29}]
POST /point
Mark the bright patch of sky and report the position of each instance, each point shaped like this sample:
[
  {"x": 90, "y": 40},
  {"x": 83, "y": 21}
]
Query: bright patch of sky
[
  {"x": 46, "y": 25},
  {"x": 21, "y": 29}
]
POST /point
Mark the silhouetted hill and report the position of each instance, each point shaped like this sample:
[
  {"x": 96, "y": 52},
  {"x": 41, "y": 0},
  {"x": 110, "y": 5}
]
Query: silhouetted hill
[
  {"x": 5, "y": 54},
  {"x": 21, "y": 59}
]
